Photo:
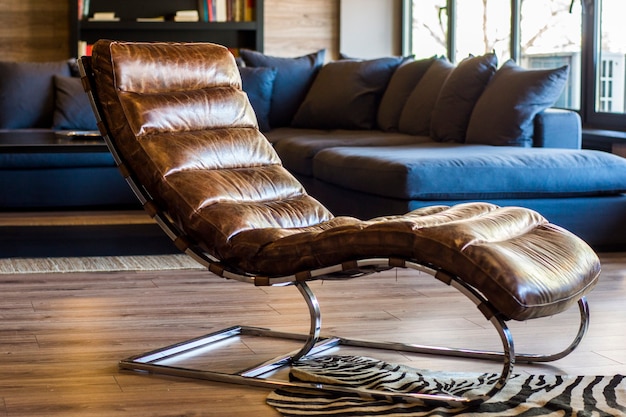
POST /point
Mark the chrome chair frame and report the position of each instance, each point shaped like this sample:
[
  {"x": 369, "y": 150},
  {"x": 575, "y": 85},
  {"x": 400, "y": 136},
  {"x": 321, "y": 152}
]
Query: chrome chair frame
[{"x": 313, "y": 342}]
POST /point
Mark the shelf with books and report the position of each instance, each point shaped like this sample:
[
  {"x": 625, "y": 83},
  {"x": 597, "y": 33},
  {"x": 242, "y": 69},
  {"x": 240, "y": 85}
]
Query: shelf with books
[
  {"x": 166, "y": 25},
  {"x": 156, "y": 23}
]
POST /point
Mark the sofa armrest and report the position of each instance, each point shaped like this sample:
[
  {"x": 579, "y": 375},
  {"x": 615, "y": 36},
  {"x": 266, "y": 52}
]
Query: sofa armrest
[{"x": 558, "y": 128}]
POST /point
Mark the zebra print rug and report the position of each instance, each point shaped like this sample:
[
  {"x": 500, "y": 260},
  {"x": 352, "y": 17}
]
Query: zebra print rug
[{"x": 523, "y": 395}]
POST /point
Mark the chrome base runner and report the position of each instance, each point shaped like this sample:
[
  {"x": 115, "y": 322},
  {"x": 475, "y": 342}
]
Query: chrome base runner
[{"x": 314, "y": 344}]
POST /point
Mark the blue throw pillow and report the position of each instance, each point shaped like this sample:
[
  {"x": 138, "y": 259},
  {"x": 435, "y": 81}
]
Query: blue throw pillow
[
  {"x": 27, "y": 93},
  {"x": 72, "y": 108},
  {"x": 294, "y": 76},
  {"x": 346, "y": 94},
  {"x": 505, "y": 112},
  {"x": 258, "y": 84},
  {"x": 416, "y": 114},
  {"x": 402, "y": 82},
  {"x": 458, "y": 96}
]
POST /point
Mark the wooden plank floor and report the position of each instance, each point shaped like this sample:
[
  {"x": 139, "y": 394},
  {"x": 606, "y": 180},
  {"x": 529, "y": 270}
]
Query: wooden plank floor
[{"x": 61, "y": 335}]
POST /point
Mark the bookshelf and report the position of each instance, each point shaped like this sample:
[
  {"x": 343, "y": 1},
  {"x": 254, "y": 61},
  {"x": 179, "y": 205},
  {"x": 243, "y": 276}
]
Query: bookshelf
[{"x": 232, "y": 34}]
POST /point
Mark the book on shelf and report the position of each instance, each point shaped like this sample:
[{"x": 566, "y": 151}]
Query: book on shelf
[
  {"x": 104, "y": 17},
  {"x": 151, "y": 19},
  {"x": 83, "y": 9},
  {"x": 249, "y": 14},
  {"x": 84, "y": 49},
  {"x": 210, "y": 5},
  {"x": 221, "y": 10},
  {"x": 187, "y": 16},
  {"x": 236, "y": 10},
  {"x": 203, "y": 10}
]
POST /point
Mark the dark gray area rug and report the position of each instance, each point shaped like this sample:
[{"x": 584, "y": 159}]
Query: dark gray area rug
[{"x": 523, "y": 395}]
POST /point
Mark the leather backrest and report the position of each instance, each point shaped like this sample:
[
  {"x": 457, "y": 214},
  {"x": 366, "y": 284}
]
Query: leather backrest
[{"x": 184, "y": 128}]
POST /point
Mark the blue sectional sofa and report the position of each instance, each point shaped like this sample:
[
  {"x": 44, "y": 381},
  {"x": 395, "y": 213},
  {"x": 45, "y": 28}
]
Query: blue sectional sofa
[{"x": 378, "y": 137}]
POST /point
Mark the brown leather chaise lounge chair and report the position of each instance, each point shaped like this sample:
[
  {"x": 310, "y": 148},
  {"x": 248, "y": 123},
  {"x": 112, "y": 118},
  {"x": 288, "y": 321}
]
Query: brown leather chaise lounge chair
[{"x": 186, "y": 138}]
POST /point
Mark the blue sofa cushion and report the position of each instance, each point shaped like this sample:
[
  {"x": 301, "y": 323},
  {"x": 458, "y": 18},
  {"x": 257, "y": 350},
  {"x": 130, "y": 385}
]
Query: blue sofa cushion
[
  {"x": 458, "y": 96},
  {"x": 27, "y": 93},
  {"x": 505, "y": 112},
  {"x": 298, "y": 147},
  {"x": 294, "y": 77},
  {"x": 72, "y": 110},
  {"x": 416, "y": 113},
  {"x": 402, "y": 82},
  {"x": 450, "y": 171},
  {"x": 346, "y": 94},
  {"x": 258, "y": 84}
]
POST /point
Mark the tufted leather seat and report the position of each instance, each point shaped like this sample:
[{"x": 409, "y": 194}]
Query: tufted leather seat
[{"x": 184, "y": 129}]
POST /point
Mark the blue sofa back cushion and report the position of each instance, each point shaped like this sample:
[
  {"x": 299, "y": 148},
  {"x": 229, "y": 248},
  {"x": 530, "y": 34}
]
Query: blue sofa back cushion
[
  {"x": 452, "y": 171},
  {"x": 258, "y": 84},
  {"x": 416, "y": 114},
  {"x": 72, "y": 108},
  {"x": 346, "y": 94},
  {"x": 458, "y": 96},
  {"x": 402, "y": 82},
  {"x": 294, "y": 77},
  {"x": 27, "y": 93},
  {"x": 505, "y": 112}
]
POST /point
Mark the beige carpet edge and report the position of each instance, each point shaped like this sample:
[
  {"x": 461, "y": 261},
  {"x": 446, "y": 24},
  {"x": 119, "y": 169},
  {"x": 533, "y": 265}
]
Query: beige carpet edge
[{"x": 97, "y": 264}]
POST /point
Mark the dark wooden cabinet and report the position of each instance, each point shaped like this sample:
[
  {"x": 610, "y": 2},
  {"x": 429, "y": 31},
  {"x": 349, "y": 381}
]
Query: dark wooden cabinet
[{"x": 232, "y": 34}]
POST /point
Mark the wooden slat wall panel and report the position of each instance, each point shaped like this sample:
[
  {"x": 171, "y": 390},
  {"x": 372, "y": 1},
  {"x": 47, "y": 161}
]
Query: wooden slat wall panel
[
  {"x": 297, "y": 27},
  {"x": 37, "y": 30},
  {"x": 33, "y": 30}
]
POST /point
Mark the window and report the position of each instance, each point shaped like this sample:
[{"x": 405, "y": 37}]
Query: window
[
  {"x": 608, "y": 49},
  {"x": 550, "y": 37},
  {"x": 537, "y": 34},
  {"x": 429, "y": 28},
  {"x": 606, "y": 99},
  {"x": 481, "y": 27}
]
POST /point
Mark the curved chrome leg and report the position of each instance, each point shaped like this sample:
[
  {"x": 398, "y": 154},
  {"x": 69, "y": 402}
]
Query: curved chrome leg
[
  {"x": 507, "y": 356},
  {"x": 583, "y": 307},
  {"x": 315, "y": 317},
  {"x": 508, "y": 353}
]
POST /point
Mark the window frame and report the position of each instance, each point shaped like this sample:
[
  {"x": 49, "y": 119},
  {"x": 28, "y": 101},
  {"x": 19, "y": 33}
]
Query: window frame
[{"x": 591, "y": 53}]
